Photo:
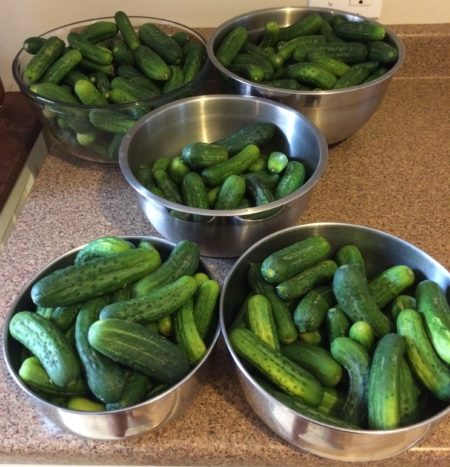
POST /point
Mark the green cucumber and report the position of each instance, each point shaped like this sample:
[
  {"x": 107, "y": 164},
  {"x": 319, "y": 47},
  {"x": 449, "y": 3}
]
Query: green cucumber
[
  {"x": 175, "y": 80},
  {"x": 309, "y": 24},
  {"x": 259, "y": 192},
  {"x": 111, "y": 121},
  {"x": 138, "y": 92},
  {"x": 332, "y": 401},
  {"x": 294, "y": 258},
  {"x": 361, "y": 31},
  {"x": 90, "y": 66},
  {"x": 102, "y": 246},
  {"x": 251, "y": 71},
  {"x": 270, "y": 34},
  {"x": 194, "y": 191},
  {"x": 300, "y": 284},
  {"x": 193, "y": 60},
  {"x": 84, "y": 404},
  {"x": 259, "y": 134},
  {"x": 183, "y": 260},
  {"x": 384, "y": 383},
  {"x": 231, "y": 193},
  {"x": 102, "y": 83},
  {"x": 32, "y": 44},
  {"x": 49, "y": 52},
  {"x": 286, "y": 49},
  {"x": 121, "y": 53},
  {"x": 231, "y": 45},
  {"x": 164, "y": 45},
  {"x": 205, "y": 305},
  {"x": 355, "y": 359},
  {"x": 432, "y": 304},
  {"x": 402, "y": 302},
  {"x": 316, "y": 360},
  {"x": 350, "y": 254},
  {"x": 59, "y": 69},
  {"x": 362, "y": 332},
  {"x": 126, "y": 29},
  {"x": 311, "y": 74},
  {"x": 104, "y": 377},
  {"x": 347, "y": 52},
  {"x": 63, "y": 316},
  {"x": 277, "y": 162},
  {"x": 165, "y": 326},
  {"x": 352, "y": 294},
  {"x": 356, "y": 75},
  {"x": 292, "y": 178},
  {"x": 90, "y": 51},
  {"x": 199, "y": 154},
  {"x": 381, "y": 52},
  {"x": 136, "y": 387},
  {"x": 260, "y": 320},
  {"x": 256, "y": 61},
  {"x": 168, "y": 187},
  {"x": 80, "y": 282},
  {"x": 410, "y": 394},
  {"x": 282, "y": 371},
  {"x": 99, "y": 31},
  {"x": 177, "y": 169},
  {"x": 88, "y": 93},
  {"x": 144, "y": 351},
  {"x": 156, "y": 304},
  {"x": 46, "y": 342},
  {"x": 151, "y": 64},
  {"x": 337, "y": 323},
  {"x": 429, "y": 369},
  {"x": 333, "y": 65}
]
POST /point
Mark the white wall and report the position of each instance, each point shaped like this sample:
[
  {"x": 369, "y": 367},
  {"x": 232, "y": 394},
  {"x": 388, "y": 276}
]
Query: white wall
[{"x": 23, "y": 18}]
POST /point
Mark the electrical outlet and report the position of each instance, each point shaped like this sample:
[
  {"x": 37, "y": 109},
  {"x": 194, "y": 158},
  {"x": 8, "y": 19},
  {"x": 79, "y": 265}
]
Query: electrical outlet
[{"x": 367, "y": 8}]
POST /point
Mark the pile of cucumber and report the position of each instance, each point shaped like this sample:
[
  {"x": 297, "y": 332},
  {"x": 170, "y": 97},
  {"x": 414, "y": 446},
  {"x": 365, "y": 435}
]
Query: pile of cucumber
[
  {"x": 314, "y": 53},
  {"x": 341, "y": 347},
  {"x": 109, "y": 62},
  {"x": 239, "y": 171},
  {"x": 120, "y": 325}
]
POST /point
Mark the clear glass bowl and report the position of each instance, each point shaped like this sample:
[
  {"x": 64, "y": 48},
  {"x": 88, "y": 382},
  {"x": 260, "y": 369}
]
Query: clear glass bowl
[{"x": 67, "y": 128}]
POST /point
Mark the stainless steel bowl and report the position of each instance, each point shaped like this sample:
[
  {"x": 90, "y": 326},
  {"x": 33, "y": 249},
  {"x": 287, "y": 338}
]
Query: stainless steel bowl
[
  {"x": 338, "y": 113},
  {"x": 224, "y": 233},
  {"x": 380, "y": 250},
  {"x": 115, "y": 424}
]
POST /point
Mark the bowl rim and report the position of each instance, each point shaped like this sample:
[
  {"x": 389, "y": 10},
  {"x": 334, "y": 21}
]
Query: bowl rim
[
  {"x": 25, "y": 89},
  {"x": 307, "y": 186},
  {"x": 51, "y": 265},
  {"x": 280, "y": 92},
  {"x": 241, "y": 367}
]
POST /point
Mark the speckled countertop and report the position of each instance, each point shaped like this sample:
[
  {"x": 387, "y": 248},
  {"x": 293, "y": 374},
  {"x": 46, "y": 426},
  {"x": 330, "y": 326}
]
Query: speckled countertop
[{"x": 392, "y": 175}]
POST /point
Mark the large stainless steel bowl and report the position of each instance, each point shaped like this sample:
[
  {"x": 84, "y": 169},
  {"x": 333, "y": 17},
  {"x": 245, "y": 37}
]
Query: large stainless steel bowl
[
  {"x": 221, "y": 233},
  {"x": 338, "y": 113},
  {"x": 115, "y": 424},
  {"x": 380, "y": 250}
]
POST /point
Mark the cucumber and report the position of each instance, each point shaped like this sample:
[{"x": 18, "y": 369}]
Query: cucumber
[
  {"x": 381, "y": 52},
  {"x": 138, "y": 92},
  {"x": 63, "y": 316},
  {"x": 33, "y": 374},
  {"x": 311, "y": 74},
  {"x": 270, "y": 180},
  {"x": 384, "y": 383},
  {"x": 334, "y": 66},
  {"x": 121, "y": 53},
  {"x": 153, "y": 305},
  {"x": 332, "y": 402},
  {"x": 126, "y": 29},
  {"x": 175, "y": 80},
  {"x": 361, "y": 31},
  {"x": 253, "y": 60},
  {"x": 294, "y": 258},
  {"x": 235, "y": 165},
  {"x": 187, "y": 334},
  {"x": 33, "y": 44},
  {"x": 77, "y": 283},
  {"x": 231, "y": 45},
  {"x": 286, "y": 49},
  {"x": 310, "y": 311},
  {"x": 102, "y": 246},
  {"x": 151, "y": 64},
  {"x": 90, "y": 51},
  {"x": 199, "y": 154},
  {"x": 259, "y": 134},
  {"x": 194, "y": 191},
  {"x": 49, "y": 52},
  {"x": 177, "y": 169},
  {"x": 300, "y": 284},
  {"x": 102, "y": 83},
  {"x": 205, "y": 305},
  {"x": 309, "y": 24},
  {"x": 231, "y": 193},
  {"x": 88, "y": 93},
  {"x": 352, "y": 294},
  {"x": 59, "y": 69},
  {"x": 350, "y": 254},
  {"x": 260, "y": 320},
  {"x": 165, "y": 326},
  {"x": 168, "y": 187},
  {"x": 286, "y": 330},
  {"x": 193, "y": 60},
  {"x": 348, "y": 52},
  {"x": 250, "y": 71},
  {"x": 129, "y": 71},
  {"x": 380, "y": 71},
  {"x": 356, "y": 75},
  {"x": 430, "y": 370},
  {"x": 432, "y": 304},
  {"x": 277, "y": 162},
  {"x": 337, "y": 323},
  {"x": 279, "y": 369},
  {"x": 105, "y": 378},
  {"x": 317, "y": 360},
  {"x": 270, "y": 34},
  {"x": 99, "y": 31},
  {"x": 144, "y": 351},
  {"x": 136, "y": 387},
  {"x": 161, "y": 163},
  {"x": 402, "y": 302},
  {"x": 390, "y": 283},
  {"x": 164, "y": 45},
  {"x": 362, "y": 332},
  {"x": 292, "y": 178},
  {"x": 259, "y": 192},
  {"x": 110, "y": 121},
  {"x": 90, "y": 66},
  {"x": 201, "y": 277},
  {"x": 84, "y": 404},
  {"x": 410, "y": 393},
  {"x": 46, "y": 342},
  {"x": 355, "y": 359},
  {"x": 183, "y": 260},
  {"x": 284, "y": 83}
]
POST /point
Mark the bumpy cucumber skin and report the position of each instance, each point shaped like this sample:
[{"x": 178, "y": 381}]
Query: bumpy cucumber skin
[
  {"x": 349, "y": 52},
  {"x": 433, "y": 305},
  {"x": 384, "y": 383},
  {"x": 54, "y": 92},
  {"x": 261, "y": 321},
  {"x": 111, "y": 121},
  {"x": 310, "y": 24},
  {"x": 312, "y": 74},
  {"x": 287, "y": 332},
  {"x": 102, "y": 246},
  {"x": 354, "y": 358},
  {"x": 44, "y": 340},
  {"x": 410, "y": 394},
  {"x": 292, "y": 178},
  {"x": 187, "y": 334},
  {"x": 193, "y": 61},
  {"x": 362, "y": 31},
  {"x": 77, "y": 283},
  {"x": 421, "y": 356},
  {"x": 49, "y": 52},
  {"x": 136, "y": 387},
  {"x": 356, "y": 75},
  {"x": 205, "y": 304},
  {"x": 153, "y": 305},
  {"x": 381, "y": 52},
  {"x": 352, "y": 293},
  {"x": 259, "y": 134},
  {"x": 151, "y": 64},
  {"x": 105, "y": 378},
  {"x": 294, "y": 258},
  {"x": 183, "y": 260},
  {"x": 63, "y": 316},
  {"x": 155, "y": 38},
  {"x": 231, "y": 44},
  {"x": 350, "y": 254},
  {"x": 231, "y": 193},
  {"x": 125, "y": 27},
  {"x": 194, "y": 191},
  {"x": 279, "y": 369},
  {"x": 199, "y": 154},
  {"x": 62, "y": 66},
  {"x": 93, "y": 52},
  {"x": 99, "y": 31},
  {"x": 316, "y": 360},
  {"x": 88, "y": 93},
  {"x": 136, "y": 347},
  {"x": 167, "y": 186}
]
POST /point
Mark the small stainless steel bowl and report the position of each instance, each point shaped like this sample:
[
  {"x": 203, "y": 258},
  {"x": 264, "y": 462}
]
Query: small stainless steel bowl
[
  {"x": 115, "y": 424},
  {"x": 380, "y": 251},
  {"x": 338, "y": 113},
  {"x": 220, "y": 233}
]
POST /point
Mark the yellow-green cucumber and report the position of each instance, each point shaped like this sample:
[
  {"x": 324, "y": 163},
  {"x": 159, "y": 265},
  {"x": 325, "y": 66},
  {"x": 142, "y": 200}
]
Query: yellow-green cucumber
[
  {"x": 205, "y": 304},
  {"x": 401, "y": 302},
  {"x": 362, "y": 332},
  {"x": 45, "y": 341},
  {"x": 260, "y": 320},
  {"x": 84, "y": 404},
  {"x": 384, "y": 383},
  {"x": 279, "y": 369}
]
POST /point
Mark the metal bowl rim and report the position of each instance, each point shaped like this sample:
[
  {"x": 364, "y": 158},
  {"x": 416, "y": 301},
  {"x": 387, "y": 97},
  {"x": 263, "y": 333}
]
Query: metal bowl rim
[
  {"x": 307, "y": 186},
  {"x": 51, "y": 264},
  {"x": 255, "y": 384},
  {"x": 288, "y": 92}
]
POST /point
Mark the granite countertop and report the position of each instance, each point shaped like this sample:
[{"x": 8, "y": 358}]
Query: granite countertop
[{"x": 392, "y": 175}]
